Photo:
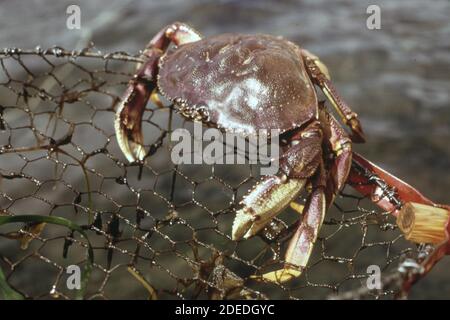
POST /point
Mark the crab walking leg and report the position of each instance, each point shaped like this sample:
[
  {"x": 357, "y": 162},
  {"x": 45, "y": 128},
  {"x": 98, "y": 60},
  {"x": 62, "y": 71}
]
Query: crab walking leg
[
  {"x": 320, "y": 76},
  {"x": 341, "y": 145},
  {"x": 301, "y": 244},
  {"x": 128, "y": 123}
]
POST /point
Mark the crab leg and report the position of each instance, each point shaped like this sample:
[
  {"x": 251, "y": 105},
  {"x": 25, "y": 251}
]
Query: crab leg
[
  {"x": 298, "y": 165},
  {"x": 320, "y": 76},
  {"x": 322, "y": 196},
  {"x": 341, "y": 146},
  {"x": 384, "y": 189},
  {"x": 269, "y": 197},
  {"x": 128, "y": 123},
  {"x": 302, "y": 243},
  {"x": 391, "y": 193}
]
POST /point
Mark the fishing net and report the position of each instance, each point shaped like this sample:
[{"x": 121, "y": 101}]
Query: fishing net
[{"x": 156, "y": 230}]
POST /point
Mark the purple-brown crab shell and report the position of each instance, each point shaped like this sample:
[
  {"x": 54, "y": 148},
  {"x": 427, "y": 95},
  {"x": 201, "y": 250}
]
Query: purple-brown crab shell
[{"x": 244, "y": 82}]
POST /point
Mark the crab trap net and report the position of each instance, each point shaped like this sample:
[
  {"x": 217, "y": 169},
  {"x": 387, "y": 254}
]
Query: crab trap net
[{"x": 155, "y": 230}]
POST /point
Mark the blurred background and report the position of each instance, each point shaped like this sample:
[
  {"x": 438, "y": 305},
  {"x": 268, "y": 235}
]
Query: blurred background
[{"x": 396, "y": 78}]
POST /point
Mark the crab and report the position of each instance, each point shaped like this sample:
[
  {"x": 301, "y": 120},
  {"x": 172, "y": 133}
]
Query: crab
[{"x": 243, "y": 83}]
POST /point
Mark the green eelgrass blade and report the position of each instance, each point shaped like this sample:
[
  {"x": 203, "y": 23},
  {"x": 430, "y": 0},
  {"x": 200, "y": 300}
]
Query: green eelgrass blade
[
  {"x": 58, "y": 221},
  {"x": 7, "y": 292}
]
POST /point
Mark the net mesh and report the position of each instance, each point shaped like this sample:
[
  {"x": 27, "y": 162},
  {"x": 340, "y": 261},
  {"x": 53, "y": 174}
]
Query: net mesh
[{"x": 158, "y": 230}]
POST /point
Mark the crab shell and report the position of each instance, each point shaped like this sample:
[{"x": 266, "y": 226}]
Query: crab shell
[{"x": 239, "y": 83}]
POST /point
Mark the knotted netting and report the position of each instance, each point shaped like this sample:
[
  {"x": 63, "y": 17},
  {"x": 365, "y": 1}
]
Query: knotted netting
[{"x": 154, "y": 229}]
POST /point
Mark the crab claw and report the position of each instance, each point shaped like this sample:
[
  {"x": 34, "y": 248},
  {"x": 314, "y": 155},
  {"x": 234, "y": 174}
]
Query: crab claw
[
  {"x": 279, "y": 276},
  {"x": 128, "y": 121},
  {"x": 267, "y": 198}
]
